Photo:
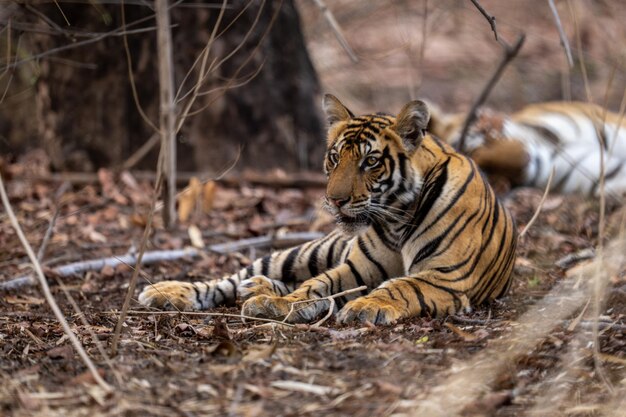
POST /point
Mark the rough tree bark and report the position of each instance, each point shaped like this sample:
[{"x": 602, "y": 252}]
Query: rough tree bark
[{"x": 81, "y": 109}]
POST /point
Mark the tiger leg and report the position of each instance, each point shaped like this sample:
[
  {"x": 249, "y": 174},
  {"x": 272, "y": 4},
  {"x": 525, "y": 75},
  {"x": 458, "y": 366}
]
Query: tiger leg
[
  {"x": 503, "y": 158},
  {"x": 275, "y": 274},
  {"x": 362, "y": 268},
  {"x": 405, "y": 297}
]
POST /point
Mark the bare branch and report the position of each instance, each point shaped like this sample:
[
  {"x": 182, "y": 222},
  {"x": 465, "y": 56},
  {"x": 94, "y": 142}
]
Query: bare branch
[
  {"x": 510, "y": 52},
  {"x": 562, "y": 35},
  {"x": 140, "y": 153},
  {"x": 131, "y": 77},
  {"x": 142, "y": 249},
  {"x": 490, "y": 19},
  {"x": 328, "y": 14},
  {"x": 115, "y": 32}
]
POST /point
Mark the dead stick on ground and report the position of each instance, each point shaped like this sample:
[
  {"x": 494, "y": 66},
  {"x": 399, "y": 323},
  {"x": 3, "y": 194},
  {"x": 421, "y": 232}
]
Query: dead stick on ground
[
  {"x": 206, "y": 314},
  {"x": 336, "y": 29},
  {"x": 289, "y": 239},
  {"x": 490, "y": 19},
  {"x": 330, "y": 298},
  {"x": 510, "y": 52},
  {"x": 562, "y": 35},
  {"x": 48, "y": 295}
]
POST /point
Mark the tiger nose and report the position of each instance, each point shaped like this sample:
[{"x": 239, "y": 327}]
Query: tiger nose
[{"x": 339, "y": 202}]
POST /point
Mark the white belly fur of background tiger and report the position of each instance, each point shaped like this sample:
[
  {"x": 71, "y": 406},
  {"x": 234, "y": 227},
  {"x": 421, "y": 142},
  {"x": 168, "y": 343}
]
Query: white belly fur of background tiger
[{"x": 577, "y": 156}]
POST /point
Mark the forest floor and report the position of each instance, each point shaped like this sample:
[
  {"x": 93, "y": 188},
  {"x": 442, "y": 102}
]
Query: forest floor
[{"x": 205, "y": 365}]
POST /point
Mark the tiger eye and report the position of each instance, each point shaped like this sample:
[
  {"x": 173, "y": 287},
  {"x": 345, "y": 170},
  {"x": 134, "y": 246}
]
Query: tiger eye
[{"x": 371, "y": 161}]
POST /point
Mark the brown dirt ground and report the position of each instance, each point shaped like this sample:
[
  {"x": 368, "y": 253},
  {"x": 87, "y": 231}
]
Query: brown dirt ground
[{"x": 199, "y": 365}]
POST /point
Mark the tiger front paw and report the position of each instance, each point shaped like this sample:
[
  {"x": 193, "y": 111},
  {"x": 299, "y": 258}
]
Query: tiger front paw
[
  {"x": 170, "y": 295},
  {"x": 372, "y": 310},
  {"x": 266, "y": 306}
]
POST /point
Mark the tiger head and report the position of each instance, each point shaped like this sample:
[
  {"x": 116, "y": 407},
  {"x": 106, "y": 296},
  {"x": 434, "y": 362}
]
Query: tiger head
[
  {"x": 368, "y": 162},
  {"x": 486, "y": 129}
]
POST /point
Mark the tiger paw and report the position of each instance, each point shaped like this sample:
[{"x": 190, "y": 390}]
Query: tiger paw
[
  {"x": 370, "y": 310},
  {"x": 260, "y": 285},
  {"x": 170, "y": 295},
  {"x": 266, "y": 306}
]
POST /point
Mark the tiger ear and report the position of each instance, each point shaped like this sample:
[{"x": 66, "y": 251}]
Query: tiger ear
[
  {"x": 335, "y": 110},
  {"x": 411, "y": 124}
]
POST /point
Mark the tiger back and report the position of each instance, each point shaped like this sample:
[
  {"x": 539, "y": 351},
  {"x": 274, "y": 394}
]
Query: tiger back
[{"x": 420, "y": 231}]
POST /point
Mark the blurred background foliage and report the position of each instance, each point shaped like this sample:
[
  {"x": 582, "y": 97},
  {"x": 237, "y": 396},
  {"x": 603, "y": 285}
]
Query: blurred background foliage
[{"x": 65, "y": 83}]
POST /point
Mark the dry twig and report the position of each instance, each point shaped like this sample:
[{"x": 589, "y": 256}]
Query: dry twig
[
  {"x": 205, "y": 314},
  {"x": 142, "y": 249},
  {"x": 336, "y": 29},
  {"x": 286, "y": 240},
  {"x": 509, "y": 53},
  {"x": 490, "y": 19},
  {"x": 330, "y": 298},
  {"x": 562, "y": 35},
  {"x": 48, "y": 295}
]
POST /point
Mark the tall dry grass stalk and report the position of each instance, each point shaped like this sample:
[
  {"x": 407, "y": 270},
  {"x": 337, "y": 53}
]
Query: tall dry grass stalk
[{"x": 471, "y": 379}]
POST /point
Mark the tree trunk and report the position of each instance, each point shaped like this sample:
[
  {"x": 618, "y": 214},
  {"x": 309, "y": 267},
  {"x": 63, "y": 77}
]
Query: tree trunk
[{"x": 84, "y": 114}]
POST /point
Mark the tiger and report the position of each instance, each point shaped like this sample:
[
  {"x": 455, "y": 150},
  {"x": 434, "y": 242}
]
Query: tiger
[
  {"x": 524, "y": 147},
  {"x": 419, "y": 232}
]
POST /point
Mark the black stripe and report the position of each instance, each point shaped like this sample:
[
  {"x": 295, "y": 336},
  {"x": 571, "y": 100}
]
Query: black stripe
[
  {"x": 312, "y": 264},
  {"x": 250, "y": 270},
  {"x": 418, "y": 294},
  {"x": 265, "y": 265},
  {"x": 287, "y": 274},
  {"x": 454, "y": 200},
  {"x": 330, "y": 254},
  {"x": 330, "y": 281},
  {"x": 433, "y": 245},
  {"x": 370, "y": 258},
  {"x": 198, "y": 298},
  {"x": 452, "y": 268},
  {"x": 357, "y": 276},
  {"x": 219, "y": 290},
  {"x": 432, "y": 191}
]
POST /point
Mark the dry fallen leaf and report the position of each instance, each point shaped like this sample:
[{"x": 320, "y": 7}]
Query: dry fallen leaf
[
  {"x": 195, "y": 235},
  {"x": 208, "y": 196},
  {"x": 61, "y": 352},
  {"x": 188, "y": 199}
]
